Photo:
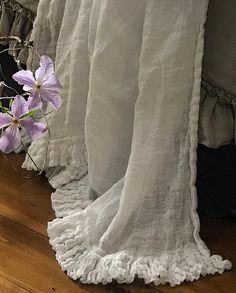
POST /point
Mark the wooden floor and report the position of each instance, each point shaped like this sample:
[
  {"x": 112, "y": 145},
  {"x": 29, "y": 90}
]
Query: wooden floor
[{"x": 27, "y": 262}]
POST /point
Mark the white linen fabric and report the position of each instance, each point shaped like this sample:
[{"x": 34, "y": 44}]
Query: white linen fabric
[{"x": 122, "y": 154}]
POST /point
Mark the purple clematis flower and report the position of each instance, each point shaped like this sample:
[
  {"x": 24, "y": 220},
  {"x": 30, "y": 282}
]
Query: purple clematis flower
[
  {"x": 15, "y": 119},
  {"x": 44, "y": 87}
]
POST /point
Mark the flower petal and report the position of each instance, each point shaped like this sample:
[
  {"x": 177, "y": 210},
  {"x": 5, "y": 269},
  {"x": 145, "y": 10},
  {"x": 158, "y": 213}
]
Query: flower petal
[
  {"x": 27, "y": 88},
  {"x": 35, "y": 99},
  {"x": 49, "y": 91},
  {"x": 45, "y": 70},
  {"x": 34, "y": 102},
  {"x": 10, "y": 139},
  {"x": 19, "y": 107},
  {"x": 53, "y": 99},
  {"x": 26, "y": 78},
  {"x": 34, "y": 129},
  {"x": 5, "y": 120},
  {"x": 52, "y": 83}
]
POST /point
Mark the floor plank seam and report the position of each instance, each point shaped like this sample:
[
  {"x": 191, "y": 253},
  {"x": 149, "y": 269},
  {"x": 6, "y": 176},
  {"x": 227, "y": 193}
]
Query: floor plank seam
[
  {"x": 15, "y": 283},
  {"x": 18, "y": 223}
]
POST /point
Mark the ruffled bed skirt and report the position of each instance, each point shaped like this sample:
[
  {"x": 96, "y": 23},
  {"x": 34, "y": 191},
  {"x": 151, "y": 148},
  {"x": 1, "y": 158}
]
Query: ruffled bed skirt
[
  {"x": 17, "y": 20},
  {"x": 217, "y": 124},
  {"x": 122, "y": 154},
  {"x": 218, "y": 102}
]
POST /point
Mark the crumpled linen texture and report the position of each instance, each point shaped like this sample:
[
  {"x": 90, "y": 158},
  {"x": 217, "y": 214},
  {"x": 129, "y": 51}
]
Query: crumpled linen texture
[{"x": 122, "y": 154}]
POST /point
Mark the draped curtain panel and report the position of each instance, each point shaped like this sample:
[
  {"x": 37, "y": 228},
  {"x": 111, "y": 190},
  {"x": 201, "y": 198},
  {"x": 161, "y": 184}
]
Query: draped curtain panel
[{"x": 122, "y": 152}]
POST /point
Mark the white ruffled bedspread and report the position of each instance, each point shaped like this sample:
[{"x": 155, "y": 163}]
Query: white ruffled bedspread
[{"x": 122, "y": 154}]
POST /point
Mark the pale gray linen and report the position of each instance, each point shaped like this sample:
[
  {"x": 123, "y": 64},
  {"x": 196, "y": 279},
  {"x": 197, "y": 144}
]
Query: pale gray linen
[{"x": 122, "y": 154}]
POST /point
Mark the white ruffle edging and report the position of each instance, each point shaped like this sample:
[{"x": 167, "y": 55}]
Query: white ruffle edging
[
  {"x": 92, "y": 266},
  {"x": 71, "y": 198},
  {"x": 66, "y": 151}
]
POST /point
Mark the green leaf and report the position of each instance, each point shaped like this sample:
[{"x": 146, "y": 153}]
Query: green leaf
[
  {"x": 10, "y": 103},
  {"x": 4, "y": 109},
  {"x": 31, "y": 113}
]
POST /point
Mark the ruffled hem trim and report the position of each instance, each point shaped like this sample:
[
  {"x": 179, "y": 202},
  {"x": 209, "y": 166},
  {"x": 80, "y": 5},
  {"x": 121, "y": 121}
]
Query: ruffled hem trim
[
  {"x": 223, "y": 96},
  {"x": 93, "y": 266},
  {"x": 66, "y": 151},
  {"x": 71, "y": 198}
]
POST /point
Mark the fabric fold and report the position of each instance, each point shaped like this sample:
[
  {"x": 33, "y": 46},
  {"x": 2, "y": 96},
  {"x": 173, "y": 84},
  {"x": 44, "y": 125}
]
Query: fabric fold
[
  {"x": 16, "y": 19},
  {"x": 131, "y": 72},
  {"x": 217, "y": 116}
]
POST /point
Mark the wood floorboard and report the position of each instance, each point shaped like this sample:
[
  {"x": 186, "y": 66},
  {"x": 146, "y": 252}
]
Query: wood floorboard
[
  {"x": 27, "y": 262},
  {"x": 25, "y": 201},
  {"x": 7, "y": 286}
]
